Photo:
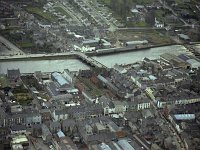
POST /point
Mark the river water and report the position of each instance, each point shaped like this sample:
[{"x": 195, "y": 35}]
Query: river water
[
  {"x": 75, "y": 64},
  {"x": 43, "y": 65},
  {"x": 131, "y": 57}
]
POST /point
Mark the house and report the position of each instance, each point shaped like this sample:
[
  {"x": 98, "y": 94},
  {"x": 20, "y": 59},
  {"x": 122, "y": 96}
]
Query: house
[
  {"x": 97, "y": 129},
  {"x": 26, "y": 117},
  {"x": 60, "y": 114},
  {"x": 37, "y": 130},
  {"x": 45, "y": 115},
  {"x": 55, "y": 126},
  {"x": 18, "y": 129},
  {"x": 106, "y": 104},
  {"x": 32, "y": 117},
  {"x": 14, "y": 108},
  {"x": 119, "y": 107},
  {"x": 169, "y": 96},
  {"x": 82, "y": 112},
  {"x": 68, "y": 126},
  {"x": 142, "y": 103},
  {"x": 4, "y": 132},
  {"x": 158, "y": 24}
]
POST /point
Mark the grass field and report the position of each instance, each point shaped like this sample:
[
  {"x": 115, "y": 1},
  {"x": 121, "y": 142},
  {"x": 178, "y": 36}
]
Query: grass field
[
  {"x": 25, "y": 45},
  {"x": 40, "y": 12},
  {"x": 152, "y": 36}
]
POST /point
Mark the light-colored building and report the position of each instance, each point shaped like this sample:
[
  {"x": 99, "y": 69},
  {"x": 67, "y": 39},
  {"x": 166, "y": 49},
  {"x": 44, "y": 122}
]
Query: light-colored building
[{"x": 58, "y": 115}]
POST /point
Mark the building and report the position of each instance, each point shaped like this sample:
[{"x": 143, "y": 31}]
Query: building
[
  {"x": 13, "y": 74},
  {"x": 45, "y": 115},
  {"x": 55, "y": 126},
  {"x": 193, "y": 63},
  {"x": 68, "y": 126},
  {"x": 59, "y": 79},
  {"x": 4, "y": 133},
  {"x": 136, "y": 43},
  {"x": 91, "y": 42},
  {"x": 68, "y": 75},
  {"x": 119, "y": 68},
  {"x": 171, "y": 96},
  {"x": 82, "y": 112},
  {"x": 60, "y": 114},
  {"x": 26, "y": 117},
  {"x": 184, "y": 37},
  {"x": 18, "y": 129},
  {"x": 175, "y": 61},
  {"x": 19, "y": 141}
]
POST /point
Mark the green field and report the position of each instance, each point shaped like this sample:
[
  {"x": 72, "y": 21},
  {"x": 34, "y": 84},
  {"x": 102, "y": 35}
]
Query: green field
[
  {"x": 40, "y": 12},
  {"x": 25, "y": 45},
  {"x": 22, "y": 95},
  {"x": 4, "y": 82}
]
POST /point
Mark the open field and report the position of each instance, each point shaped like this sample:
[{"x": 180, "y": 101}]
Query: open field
[
  {"x": 40, "y": 12},
  {"x": 153, "y": 37}
]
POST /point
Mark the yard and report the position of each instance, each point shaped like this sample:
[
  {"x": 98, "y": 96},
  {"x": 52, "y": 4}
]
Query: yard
[{"x": 22, "y": 95}]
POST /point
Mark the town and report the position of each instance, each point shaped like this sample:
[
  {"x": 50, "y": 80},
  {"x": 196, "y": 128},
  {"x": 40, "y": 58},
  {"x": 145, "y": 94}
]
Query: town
[
  {"x": 99, "y": 75},
  {"x": 151, "y": 104}
]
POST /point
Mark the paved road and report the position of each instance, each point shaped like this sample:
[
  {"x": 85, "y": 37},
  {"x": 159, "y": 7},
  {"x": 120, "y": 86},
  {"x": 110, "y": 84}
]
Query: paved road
[{"x": 11, "y": 46}]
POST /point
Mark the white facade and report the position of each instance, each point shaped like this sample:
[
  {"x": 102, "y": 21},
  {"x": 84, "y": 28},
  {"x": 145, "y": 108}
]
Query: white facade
[
  {"x": 59, "y": 116},
  {"x": 143, "y": 106}
]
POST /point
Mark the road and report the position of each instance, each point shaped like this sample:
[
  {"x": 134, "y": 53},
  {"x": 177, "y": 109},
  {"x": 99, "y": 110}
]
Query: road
[
  {"x": 173, "y": 12},
  {"x": 11, "y": 46},
  {"x": 171, "y": 127},
  {"x": 69, "y": 13},
  {"x": 141, "y": 142}
]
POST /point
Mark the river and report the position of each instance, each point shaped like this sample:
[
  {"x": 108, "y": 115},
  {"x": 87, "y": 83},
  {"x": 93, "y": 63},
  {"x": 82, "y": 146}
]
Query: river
[
  {"x": 131, "y": 57},
  {"x": 43, "y": 65},
  {"x": 75, "y": 64}
]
